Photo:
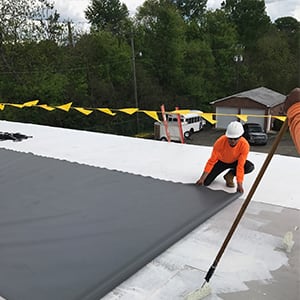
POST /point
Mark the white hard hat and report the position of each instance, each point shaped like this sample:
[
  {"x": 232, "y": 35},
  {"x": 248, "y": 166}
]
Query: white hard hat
[{"x": 234, "y": 130}]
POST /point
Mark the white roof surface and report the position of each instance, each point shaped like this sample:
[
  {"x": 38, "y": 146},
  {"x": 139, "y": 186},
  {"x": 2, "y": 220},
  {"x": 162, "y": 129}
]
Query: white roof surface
[{"x": 252, "y": 255}]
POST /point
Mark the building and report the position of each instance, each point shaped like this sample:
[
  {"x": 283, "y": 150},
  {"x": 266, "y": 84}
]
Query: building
[{"x": 257, "y": 104}]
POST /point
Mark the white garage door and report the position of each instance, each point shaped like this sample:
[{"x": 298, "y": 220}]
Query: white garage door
[
  {"x": 223, "y": 121},
  {"x": 258, "y": 112}
]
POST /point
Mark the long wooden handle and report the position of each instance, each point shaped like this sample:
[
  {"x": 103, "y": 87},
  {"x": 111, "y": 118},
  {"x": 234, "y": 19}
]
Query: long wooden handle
[{"x": 247, "y": 200}]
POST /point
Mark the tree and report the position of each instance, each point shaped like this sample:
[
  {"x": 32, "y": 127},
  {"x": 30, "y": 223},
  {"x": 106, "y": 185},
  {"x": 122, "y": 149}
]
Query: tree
[
  {"x": 222, "y": 37},
  {"x": 273, "y": 64},
  {"x": 191, "y": 10},
  {"x": 287, "y": 24},
  {"x": 199, "y": 72},
  {"x": 109, "y": 15},
  {"x": 289, "y": 28},
  {"x": 164, "y": 41},
  {"x": 107, "y": 68},
  {"x": 23, "y": 20},
  {"x": 51, "y": 28},
  {"x": 250, "y": 18}
]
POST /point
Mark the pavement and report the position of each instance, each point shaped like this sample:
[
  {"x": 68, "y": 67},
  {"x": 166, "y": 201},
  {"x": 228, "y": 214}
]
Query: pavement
[{"x": 208, "y": 136}]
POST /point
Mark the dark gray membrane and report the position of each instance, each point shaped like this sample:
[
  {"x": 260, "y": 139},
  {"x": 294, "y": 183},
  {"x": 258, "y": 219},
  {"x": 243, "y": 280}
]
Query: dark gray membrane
[{"x": 71, "y": 231}]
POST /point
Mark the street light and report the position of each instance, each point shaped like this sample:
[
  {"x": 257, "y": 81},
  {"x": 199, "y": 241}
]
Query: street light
[{"x": 237, "y": 59}]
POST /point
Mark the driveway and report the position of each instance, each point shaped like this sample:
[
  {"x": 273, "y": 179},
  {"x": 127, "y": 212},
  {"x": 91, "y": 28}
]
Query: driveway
[{"x": 208, "y": 136}]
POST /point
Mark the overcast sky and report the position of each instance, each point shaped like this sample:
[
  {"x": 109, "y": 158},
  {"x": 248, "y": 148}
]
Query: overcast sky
[{"x": 74, "y": 9}]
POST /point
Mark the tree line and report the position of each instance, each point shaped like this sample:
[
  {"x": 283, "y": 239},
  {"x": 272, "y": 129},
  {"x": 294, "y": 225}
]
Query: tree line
[{"x": 174, "y": 52}]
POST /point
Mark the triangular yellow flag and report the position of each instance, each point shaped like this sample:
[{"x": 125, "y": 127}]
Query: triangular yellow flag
[
  {"x": 15, "y": 105},
  {"x": 129, "y": 111},
  {"x": 152, "y": 114},
  {"x": 181, "y": 111},
  {"x": 46, "y": 107},
  {"x": 83, "y": 110},
  {"x": 281, "y": 118},
  {"x": 243, "y": 117},
  {"x": 208, "y": 117},
  {"x": 2, "y": 106},
  {"x": 65, "y": 107},
  {"x": 106, "y": 111},
  {"x": 31, "y": 103}
]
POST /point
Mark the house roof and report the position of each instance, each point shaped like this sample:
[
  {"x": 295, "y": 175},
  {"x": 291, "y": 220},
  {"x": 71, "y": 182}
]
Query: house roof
[{"x": 262, "y": 95}]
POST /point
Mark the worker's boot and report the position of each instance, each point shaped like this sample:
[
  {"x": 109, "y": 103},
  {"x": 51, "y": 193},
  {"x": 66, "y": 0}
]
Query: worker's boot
[{"x": 229, "y": 179}]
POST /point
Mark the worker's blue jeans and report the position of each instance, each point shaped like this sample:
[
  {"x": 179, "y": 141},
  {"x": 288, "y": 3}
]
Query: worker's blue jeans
[{"x": 220, "y": 167}]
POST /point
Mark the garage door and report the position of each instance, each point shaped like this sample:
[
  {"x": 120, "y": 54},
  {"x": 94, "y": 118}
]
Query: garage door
[
  {"x": 257, "y": 112},
  {"x": 223, "y": 121}
]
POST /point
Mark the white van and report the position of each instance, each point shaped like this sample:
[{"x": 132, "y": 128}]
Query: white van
[{"x": 191, "y": 122}]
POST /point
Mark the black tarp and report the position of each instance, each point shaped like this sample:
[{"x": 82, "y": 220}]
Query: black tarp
[{"x": 71, "y": 231}]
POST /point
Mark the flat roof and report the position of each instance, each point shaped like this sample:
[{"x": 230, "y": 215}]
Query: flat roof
[{"x": 257, "y": 262}]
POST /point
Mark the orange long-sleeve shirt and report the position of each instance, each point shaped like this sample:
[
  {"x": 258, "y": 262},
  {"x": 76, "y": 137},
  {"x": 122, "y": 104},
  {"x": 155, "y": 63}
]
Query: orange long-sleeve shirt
[
  {"x": 293, "y": 115},
  {"x": 224, "y": 152}
]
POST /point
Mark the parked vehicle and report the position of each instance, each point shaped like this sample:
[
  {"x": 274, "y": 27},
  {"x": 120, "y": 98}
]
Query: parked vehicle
[
  {"x": 254, "y": 134},
  {"x": 191, "y": 122}
]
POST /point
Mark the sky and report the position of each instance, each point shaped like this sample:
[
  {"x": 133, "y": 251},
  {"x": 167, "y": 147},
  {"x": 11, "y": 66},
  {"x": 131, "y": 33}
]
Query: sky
[{"x": 73, "y": 10}]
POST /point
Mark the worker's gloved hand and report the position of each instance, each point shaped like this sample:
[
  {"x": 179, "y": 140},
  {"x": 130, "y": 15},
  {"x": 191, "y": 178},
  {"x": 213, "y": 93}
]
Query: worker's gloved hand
[
  {"x": 292, "y": 98},
  {"x": 240, "y": 188}
]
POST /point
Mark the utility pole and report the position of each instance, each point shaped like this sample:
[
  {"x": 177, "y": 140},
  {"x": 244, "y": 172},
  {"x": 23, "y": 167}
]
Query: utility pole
[
  {"x": 70, "y": 35},
  {"x": 134, "y": 81},
  {"x": 238, "y": 60}
]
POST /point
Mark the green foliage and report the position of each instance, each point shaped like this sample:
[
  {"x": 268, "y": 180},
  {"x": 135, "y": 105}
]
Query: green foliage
[
  {"x": 222, "y": 37},
  {"x": 198, "y": 70},
  {"x": 107, "y": 67},
  {"x": 190, "y": 10},
  {"x": 183, "y": 56},
  {"x": 287, "y": 24},
  {"x": 27, "y": 20},
  {"x": 250, "y": 18},
  {"x": 164, "y": 40},
  {"x": 289, "y": 29},
  {"x": 108, "y": 15},
  {"x": 274, "y": 63}
]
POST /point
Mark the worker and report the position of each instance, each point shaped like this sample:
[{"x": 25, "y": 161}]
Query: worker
[
  {"x": 292, "y": 109},
  {"x": 230, "y": 151}
]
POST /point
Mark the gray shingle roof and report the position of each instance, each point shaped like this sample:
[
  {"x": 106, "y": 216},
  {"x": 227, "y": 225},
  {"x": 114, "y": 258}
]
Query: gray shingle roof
[{"x": 261, "y": 95}]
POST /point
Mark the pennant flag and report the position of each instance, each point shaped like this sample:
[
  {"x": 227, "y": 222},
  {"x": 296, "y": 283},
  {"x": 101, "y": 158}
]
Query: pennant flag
[
  {"x": 15, "y": 105},
  {"x": 46, "y": 107},
  {"x": 281, "y": 118},
  {"x": 129, "y": 111},
  {"x": 83, "y": 110},
  {"x": 209, "y": 117},
  {"x": 180, "y": 111},
  {"x": 243, "y": 117},
  {"x": 152, "y": 114},
  {"x": 106, "y": 111},
  {"x": 31, "y": 103},
  {"x": 65, "y": 107}
]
